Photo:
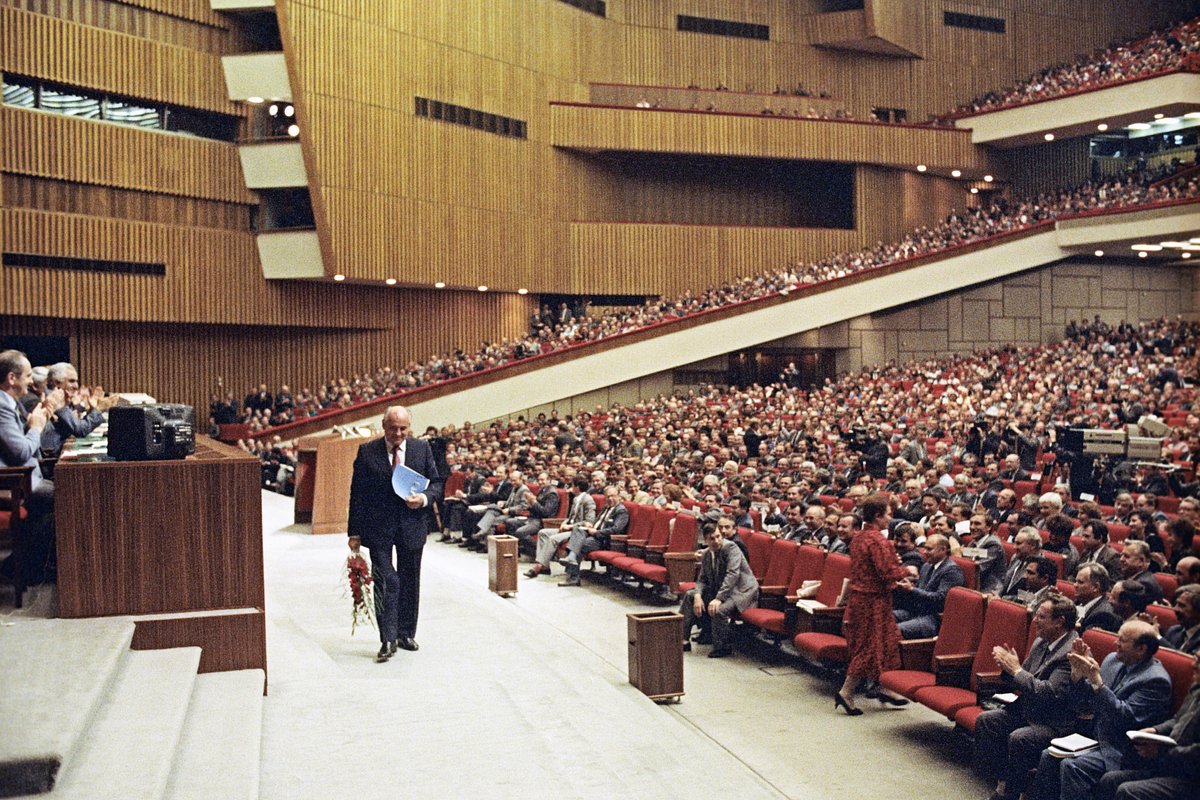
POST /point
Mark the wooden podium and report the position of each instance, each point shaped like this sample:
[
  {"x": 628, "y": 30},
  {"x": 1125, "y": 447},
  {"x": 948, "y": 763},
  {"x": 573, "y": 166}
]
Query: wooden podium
[
  {"x": 502, "y": 565},
  {"x": 177, "y": 545},
  {"x": 656, "y": 654},
  {"x": 324, "y": 465}
]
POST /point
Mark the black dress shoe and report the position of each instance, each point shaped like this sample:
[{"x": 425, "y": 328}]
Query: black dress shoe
[
  {"x": 385, "y": 652},
  {"x": 687, "y": 647},
  {"x": 408, "y": 643},
  {"x": 720, "y": 652}
]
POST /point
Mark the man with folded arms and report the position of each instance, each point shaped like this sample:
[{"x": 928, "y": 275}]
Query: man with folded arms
[
  {"x": 1009, "y": 740},
  {"x": 1130, "y": 690},
  {"x": 1165, "y": 770}
]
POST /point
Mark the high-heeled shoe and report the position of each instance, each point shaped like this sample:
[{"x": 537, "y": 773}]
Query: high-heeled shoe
[
  {"x": 838, "y": 700},
  {"x": 883, "y": 697}
]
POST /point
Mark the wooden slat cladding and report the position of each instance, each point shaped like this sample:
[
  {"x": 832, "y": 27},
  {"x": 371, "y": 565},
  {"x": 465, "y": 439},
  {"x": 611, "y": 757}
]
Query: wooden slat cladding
[
  {"x": 206, "y": 30},
  {"x": 181, "y": 363},
  {"x": 21, "y": 191},
  {"x": 891, "y": 203},
  {"x": 649, "y": 259},
  {"x": 1046, "y": 167},
  {"x": 196, "y": 10},
  {"x": 80, "y": 55},
  {"x": 85, "y": 151},
  {"x": 588, "y": 128}
]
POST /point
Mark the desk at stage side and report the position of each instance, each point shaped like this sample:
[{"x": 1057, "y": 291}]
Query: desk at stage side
[
  {"x": 324, "y": 467},
  {"x": 175, "y": 544}
]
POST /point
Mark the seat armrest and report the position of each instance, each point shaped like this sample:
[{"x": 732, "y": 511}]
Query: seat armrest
[
  {"x": 553, "y": 522},
  {"x": 953, "y": 660},
  {"x": 681, "y": 567},
  {"x": 619, "y": 541},
  {"x": 775, "y": 590},
  {"x": 917, "y": 654}
]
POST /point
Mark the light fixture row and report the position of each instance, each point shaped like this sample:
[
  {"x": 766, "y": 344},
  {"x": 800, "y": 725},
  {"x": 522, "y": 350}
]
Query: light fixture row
[{"x": 439, "y": 285}]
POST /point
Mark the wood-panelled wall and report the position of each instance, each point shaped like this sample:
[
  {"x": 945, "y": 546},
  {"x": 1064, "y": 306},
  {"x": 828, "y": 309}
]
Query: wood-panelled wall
[
  {"x": 1048, "y": 166},
  {"x": 890, "y": 203},
  {"x": 186, "y": 23}
]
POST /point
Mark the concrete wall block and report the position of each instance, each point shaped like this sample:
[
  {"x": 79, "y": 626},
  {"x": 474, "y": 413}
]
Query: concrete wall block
[
  {"x": 991, "y": 291},
  {"x": 873, "y": 349},
  {"x": 1001, "y": 330},
  {"x": 907, "y": 319},
  {"x": 1078, "y": 270},
  {"x": 1151, "y": 305},
  {"x": 954, "y": 317},
  {"x": 837, "y": 335},
  {"x": 925, "y": 341},
  {"x": 1070, "y": 291},
  {"x": 934, "y": 315},
  {"x": 1118, "y": 276},
  {"x": 865, "y": 323},
  {"x": 1095, "y": 292},
  {"x": 975, "y": 320},
  {"x": 1022, "y": 301}
]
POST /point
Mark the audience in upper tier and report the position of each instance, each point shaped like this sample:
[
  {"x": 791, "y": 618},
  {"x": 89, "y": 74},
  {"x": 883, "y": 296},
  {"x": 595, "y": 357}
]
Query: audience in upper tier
[
  {"x": 567, "y": 326},
  {"x": 1159, "y": 52}
]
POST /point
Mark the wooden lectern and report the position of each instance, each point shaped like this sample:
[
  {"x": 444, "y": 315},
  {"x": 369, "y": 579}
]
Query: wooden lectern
[
  {"x": 502, "y": 565},
  {"x": 324, "y": 465},
  {"x": 656, "y": 654}
]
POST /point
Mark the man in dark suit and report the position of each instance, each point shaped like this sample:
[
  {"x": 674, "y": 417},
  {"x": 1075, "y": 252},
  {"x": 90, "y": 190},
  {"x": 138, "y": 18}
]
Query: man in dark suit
[
  {"x": 389, "y": 525},
  {"x": 919, "y": 605},
  {"x": 725, "y": 586},
  {"x": 1186, "y": 635},
  {"x": 612, "y": 519},
  {"x": 1092, "y": 583},
  {"x": 1029, "y": 547},
  {"x": 1130, "y": 690},
  {"x": 1094, "y": 537},
  {"x": 1009, "y": 740},
  {"x": 582, "y": 513},
  {"x": 1135, "y": 566}
]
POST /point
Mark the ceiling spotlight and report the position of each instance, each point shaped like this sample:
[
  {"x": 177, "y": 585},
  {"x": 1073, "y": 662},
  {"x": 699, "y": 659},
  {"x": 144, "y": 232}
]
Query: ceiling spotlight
[
  {"x": 974, "y": 190},
  {"x": 988, "y": 179},
  {"x": 1159, "y": 116},
  {"x": 254, "y": 100},
  {"x": 1143, "y": 254},
  {"x": 956, "y": 173},
  {"x": 1139, "y": 126},
  {"x": 1103, "y": 126},
  {"x": 288, "y": 110},
  {"x": 1153, "y": 248},
  {"x": 1192, "y": 115},
  {"x": 1175, "y": 245},
  {"x": 483, "y": 288},
  {"x": 273, "y": 110},
  {"x": 1185, "y": 255},
  {"x": 522, "y": 291},
  {"x": 921, "y": 167},
  {"x": 1099, "y": 253},
  {"x": 390, "y": 281},
  {"x": 440, "y": 285},
  {"x": 293, "y": 130},
  {"x": 339, "y": 277},
  {"x": 1049, "y": 137}
]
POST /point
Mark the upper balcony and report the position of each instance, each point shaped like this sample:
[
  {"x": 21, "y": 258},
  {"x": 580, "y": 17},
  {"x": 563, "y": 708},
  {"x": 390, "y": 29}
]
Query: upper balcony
[
  {"x": 1084, "y": 113},
  {"x": 596, "y": 128}
]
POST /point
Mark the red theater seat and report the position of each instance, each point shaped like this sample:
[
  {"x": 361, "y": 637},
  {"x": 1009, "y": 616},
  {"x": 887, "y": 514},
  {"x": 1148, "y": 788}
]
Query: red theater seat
[{"x": 962, "y": 628}]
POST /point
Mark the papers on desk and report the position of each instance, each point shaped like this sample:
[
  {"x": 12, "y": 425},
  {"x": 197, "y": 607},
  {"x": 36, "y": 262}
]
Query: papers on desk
[
  {"x": 975, "y": 553},
  {"x": 1070, "y": 746},
  {"x": 1005, "y": 697},
  {"x": 407, "y": 482}
]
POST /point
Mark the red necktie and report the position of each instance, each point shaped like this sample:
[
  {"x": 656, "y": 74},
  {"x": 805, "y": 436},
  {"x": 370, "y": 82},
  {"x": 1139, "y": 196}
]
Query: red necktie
[{"x": 397, "y": 458}]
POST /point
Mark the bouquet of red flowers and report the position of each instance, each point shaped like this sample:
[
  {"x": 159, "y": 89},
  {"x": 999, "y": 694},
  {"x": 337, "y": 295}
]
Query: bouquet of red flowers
[{"x": 358, "y": 576}]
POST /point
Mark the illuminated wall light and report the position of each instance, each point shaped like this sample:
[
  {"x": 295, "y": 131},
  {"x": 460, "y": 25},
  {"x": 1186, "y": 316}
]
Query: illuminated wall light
[
  {"x": 1099, "y": 253},
  {"x": 956, "y": 173},
  {"x": 1103, "y": 126},
  {"x": 1049, "y": 137},
  {"x": 254, "y": 100},
  {"x": 288, "y": 111},
  {"x": 921, "y": 167},
  {"x": 339, "y": 277},
  {"x": 1143, "y": 254},
  {"x": 483, "y": 288},
  {"x": 1159, "y": 116},
  {"x": 390, "y": 281},
  {"x": 988, "y": 179},
  {"x": 1153, "y": 248},
  {"x": 522, "y": 291},
  {"x": 293, "y": 130},
  {"x": 974, "y": 190},
  {"x": 439, "y": 285}
]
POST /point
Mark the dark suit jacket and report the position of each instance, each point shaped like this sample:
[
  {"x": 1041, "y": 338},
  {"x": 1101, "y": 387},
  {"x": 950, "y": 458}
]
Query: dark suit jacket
[
  {"x": 377, "y": 516},
  {"x": 545, "y": 504},
  {"x": 1153, "y": 589},
  {"x": 929, "y": 595},
  {"x": 1176, "y": 638},
  {"x": 1106, "y": 557},
  {"x": 1045, "y": 684},
  {"x": 1102, "y": 616},
  {"x": 1183, "y": 760},
  {"x": 614, "y": 521}
]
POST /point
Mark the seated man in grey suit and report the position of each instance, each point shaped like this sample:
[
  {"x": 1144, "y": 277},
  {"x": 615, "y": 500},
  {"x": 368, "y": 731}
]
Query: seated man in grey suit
[
  {"x": 1164, "y": 771},
  {"x": 544, "y": 506},
  {"x": 1009, "y": 741},
  {"x": 1130, "y": 690},
  {"x": 612, "y": 519},
  {"x": 987, "y": 551},
  {"x": 726, "y": 586},
  {"x": 919, "y": 605},
  {"x": 583, "y": 512}
]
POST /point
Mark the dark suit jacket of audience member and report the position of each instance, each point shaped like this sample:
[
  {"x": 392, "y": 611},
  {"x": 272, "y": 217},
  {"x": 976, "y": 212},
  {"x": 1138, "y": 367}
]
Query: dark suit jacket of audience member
[
  {"x": 1177, "y": 638},
  {"x": 610, "y": 521},
  {"x": 1106, "y": 557},
  {"x": 1153, "y": 590},
  {"x": 929, "y": 595},
  {"x": 1102, "y": 616},
  {"x": 545, "y": 505},
  {"x": 1044, "y": 683}
]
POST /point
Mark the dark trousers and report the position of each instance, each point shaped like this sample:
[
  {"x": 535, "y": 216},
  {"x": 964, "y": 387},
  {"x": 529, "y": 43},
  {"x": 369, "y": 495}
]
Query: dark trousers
[
  {"x": 1008, "y": 748},
  {"x": 397, "y": 590}
]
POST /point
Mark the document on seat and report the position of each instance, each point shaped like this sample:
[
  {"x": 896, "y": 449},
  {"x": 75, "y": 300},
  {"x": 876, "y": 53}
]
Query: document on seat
[
  {"x": 1005, "y": 697},
  {"x": 1146, "y": 736},
  {"x": 1069, "y": 746},
  {"x": 407, "y": 482},
  {"x": 808, "y": 604}
]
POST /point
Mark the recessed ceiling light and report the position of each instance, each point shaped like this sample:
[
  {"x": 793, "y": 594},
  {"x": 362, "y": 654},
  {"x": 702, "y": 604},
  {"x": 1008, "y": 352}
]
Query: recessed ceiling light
[
  {"x": 1195, "y": 240},
  {"x": 1159, "y": 116},
  {"x": 1153, "y": 248},
  {"x": 522, "y": 291},
  {"x": 1103, "y": 126},
  {"x": 254, "y": 100},
  {"x": 288, "y": 111},
  {"x": 1192, "y": 115},
  {"x": 483, "y": 288},
  {"x": 956, "y": 173},
  {"x": 1185, "y": 255},
  {"x": 390, "y": 281},
  {"x": 339, "y": 277},
  {"x": 293, "y": 130},
  {"x": 439, "y": 285},
  {"x": 1174, "y": 245},
  {"x": 921, "y": 167},
  {"x": 988, "y": 179},
  {"x": 974, "y": 190},
  {"x": 1139, "y": 126},
  {"x": 1143, "y": 254},
  {"x": 1049, "y": 137},
  {"x": 1099, "y": 253}
]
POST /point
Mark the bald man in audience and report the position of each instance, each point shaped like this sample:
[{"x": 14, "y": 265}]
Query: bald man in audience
[
  {"x": 919, "y": 605},
  {"x": 1188, "y": 570}
]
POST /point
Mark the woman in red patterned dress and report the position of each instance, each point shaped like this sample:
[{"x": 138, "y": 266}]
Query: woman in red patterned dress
[{"x": 872, "y": 638}]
